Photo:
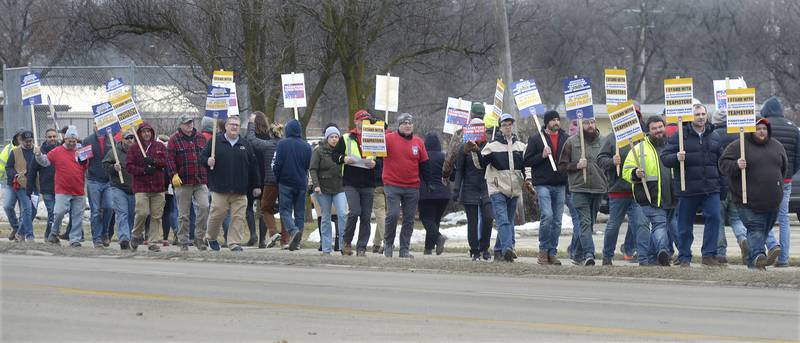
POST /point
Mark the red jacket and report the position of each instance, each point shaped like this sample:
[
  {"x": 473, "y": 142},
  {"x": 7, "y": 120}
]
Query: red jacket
[{"x": 155, "y": 182}]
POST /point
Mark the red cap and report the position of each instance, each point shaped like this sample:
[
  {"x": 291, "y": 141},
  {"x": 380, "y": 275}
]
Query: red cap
[{"x": 361, "y": 115}]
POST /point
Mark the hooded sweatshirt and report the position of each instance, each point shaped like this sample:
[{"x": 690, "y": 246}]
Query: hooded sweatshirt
[
  {"x": 785, "y": 132},
  {"x": 436, "y": 159},
  {"x": 766, "y": 169},
  {"x": 155, "y": 182},
  {"x": 292, "y": 158}
]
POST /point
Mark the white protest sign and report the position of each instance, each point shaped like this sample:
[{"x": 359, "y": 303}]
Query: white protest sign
[
  {"x": 720, "y": 102},
  {"x": 294, "y": 90},
  {"x": 456, "y": 115},
  {"x": 387, "y": 93}
]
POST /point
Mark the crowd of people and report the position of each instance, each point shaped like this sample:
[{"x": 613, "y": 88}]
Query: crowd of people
[{"x": 147, "y": 186}]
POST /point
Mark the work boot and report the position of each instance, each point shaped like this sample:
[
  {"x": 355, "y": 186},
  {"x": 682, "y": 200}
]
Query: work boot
[
  {"x": 440, "y": 244},
  {"x": 710, "y": 261},
  {"x": 663, "y": 258},
  {"x": 772, "y": 254},
  {"x": 745, "y": 248},
  {"x": 554, "y": 260},
  {"x": 154, "y": 248},
  {"x": 607, "y": 261},
  {"x": 376, "y": 249},
  {"x": 427, "y": 252},
  {"x": 543, "y": 258},
  {"x": 760, "y": 262},
  {"x": 53, "y": 239},
  {"x": 200, "y": 244},
  {"x": 722, "y": 260}
]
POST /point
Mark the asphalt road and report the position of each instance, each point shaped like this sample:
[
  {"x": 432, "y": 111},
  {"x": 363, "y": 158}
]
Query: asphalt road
[{"x": 96, "y": 299}]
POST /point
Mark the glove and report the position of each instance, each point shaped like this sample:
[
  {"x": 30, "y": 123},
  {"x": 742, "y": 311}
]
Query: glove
[
  {"x": 429, "y": 187},
  {"x": 470, "y": 147},
  {"x": 176, "y": 181},
  {"x": 149, "y": 169},
  {"x": 148, "y": 161}
]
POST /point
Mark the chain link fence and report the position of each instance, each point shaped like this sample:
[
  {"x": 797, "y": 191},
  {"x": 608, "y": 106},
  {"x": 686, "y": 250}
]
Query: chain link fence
[{"x": 162, "y": 94}]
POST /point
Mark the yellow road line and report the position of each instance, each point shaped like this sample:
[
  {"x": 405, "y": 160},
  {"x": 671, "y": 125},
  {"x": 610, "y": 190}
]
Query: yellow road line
[{"x": 568, "y": 328}]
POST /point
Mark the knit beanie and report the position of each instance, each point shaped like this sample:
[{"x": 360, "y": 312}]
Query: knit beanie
[
  {"x": 550, "y": 115},
  {"x": 72, "y": 132},
  {"x": 477, "y": 109},
  {"x": 332, "y": 130}
]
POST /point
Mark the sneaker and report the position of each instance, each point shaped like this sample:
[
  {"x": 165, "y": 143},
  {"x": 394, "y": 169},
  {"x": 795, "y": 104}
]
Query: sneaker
[
  {"x": 200, "y": 244},
  {"x": 376, "y": 249},
  {"x": 262, "y": 245},
  {"x": 361, "y": 253},
  {"x": 213, "y": 245},
  {"x": 19, "y": 238},
  {"x": 165, "y": 242},
  {"x": 135, "y": 242},
  {"x": 710, "y": 261},
  {"x": 53, "y": 239},
  {"x": 745, "y": 248},
  {"x": 440, "y": 244},
  {"x": 663, "y": 258},
  {"x": 486, "y": 255},
  {"x": 284, "y": 246},
  {"x": 274, "y": 240},
  {"x": 588, "y": 262},
  {"x": 427, "y": 252},
  {"x": 106, "y": 242},
  {"x": 153, "y": 248},
  {"x": 607, "y": 261},
  {"x": 475, "y": 256},
  {"x": 75, "y": 244},
  {"x": 184, "y": 247},
  {"x": 761, "y": 262},
  {"x": 773, "y": 254},
  {"x": 98, "y": 245},
  {"x": 236, "y": 247},
  {"x": 294, "y": 240},
  {"x": 508, "y": 254},
  {"x": 781, "y": 264},
  {"x": 124, "y": 245},
  {"x": 30, "y": 239}
]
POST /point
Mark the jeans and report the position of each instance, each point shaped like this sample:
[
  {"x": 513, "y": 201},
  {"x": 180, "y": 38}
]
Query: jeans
[
  {"x": 617, "y": 209},
  {"x": 338, "y": 200},
  {"x": 504, "y": 209},
  {"x": 659, "y": 237},
  {"x": 672, "y": 230},
  {"x": 24, "y": 226},
  {"x": 783, "y": 222},
  {"x": 687, "y": 206},
  {"x": 49, "y": 204},
  {"x": 430, "y": 214},
  {"x": 359, "y": 202},
  {"x": 551, "y": 207},
  {"x": 758, "y": 225},
  {"x": 587, "y": 205},
  {"x": 479, "y": 216},
  {"x": 573, "y": 213},
  {"x": 99, "y": 205},
  {"x": 729, "y": 211},
  {"x": 74, "y": 204},
  {"x": 9, "y": 204},
  {"x": 292, "y": 200},
  {"x": 398, "y": 198},
  {"x": 124, "y": 207}
]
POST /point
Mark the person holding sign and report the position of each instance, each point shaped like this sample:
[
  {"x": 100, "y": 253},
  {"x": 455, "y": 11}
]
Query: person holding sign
[
  {"x": 728, "y": 210},
  {"x": 70, "y": 196},
  {"x": 149, "y": 186},
  {"x": 18, "y": 188},
  {"x": 97, "y": 185},
  {"x": 659, "y": 208},
  {"x": 767, "y": 166},
  {"x": 471, "y": 190},
  {"x": 550, "y": 185},
  {"x": 46, "y": 178},
  {"x": 621, "y": 202},
  {"x": 701, "y": 152},
  {"x": 290, "y": 165},
  {"x": 586, "y": 192},
  {"x": 476, "y": 111},
  {"x": 123, "y": 201}
]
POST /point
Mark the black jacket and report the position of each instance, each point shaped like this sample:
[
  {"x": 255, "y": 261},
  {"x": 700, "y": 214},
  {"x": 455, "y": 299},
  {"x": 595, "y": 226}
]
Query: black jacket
[
  {"x": 766, "y": 169},
  {"x": 96, "y": 171},
  {"x": 236, "y": 167},
  {"x": 46, "y": 175},
  {"x": 605, "y": 160},
  {"x": 702, "y": 173},
  {"x": 470, "y": 178},
  {"x": 543, "y": 173},
  {"x": 435, "y": 164},
  {"x": 354, "y": 176},
  {"x": 785, "y": 132},
  {"x": 265, "y": 151},
  {"x": 113, "y": 175}
]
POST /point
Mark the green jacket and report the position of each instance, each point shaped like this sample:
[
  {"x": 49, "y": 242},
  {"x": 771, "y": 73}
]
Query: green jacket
[
  {"x": 596, "y": 177},
  {"x": 325, "y": 173},
  {"x": 659, "y": 177}
]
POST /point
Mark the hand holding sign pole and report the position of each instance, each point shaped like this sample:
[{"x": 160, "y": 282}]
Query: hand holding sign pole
[
  {"x": 741, "y": 118},
  {"x": 106, "y": 121},
  {"x": 678, "y": 95},
  {"x": 529, "y": 103}
]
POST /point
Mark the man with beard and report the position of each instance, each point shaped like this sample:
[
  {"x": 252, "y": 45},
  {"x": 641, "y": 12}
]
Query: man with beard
[
  {"x": 586, "y": 195},
  {"x": 767, "y": 167},
  {"x": 47, "y": 179},
  {"x": 149, "y": 186},
  {"x": 644, "y": 162},
  {"x": 18, "y": 186}
]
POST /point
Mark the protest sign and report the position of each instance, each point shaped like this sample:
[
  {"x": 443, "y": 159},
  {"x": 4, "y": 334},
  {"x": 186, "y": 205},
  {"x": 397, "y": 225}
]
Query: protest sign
[
  {"x": 678, "y": 95},
  {"x": 84, "y": 153},
  {"x": 616, "y": 86},
  {"x": 741, "y": 107},
  {"x": 387, "y": 93},
  {"x": 491, "y": 118},
  {"x": 294, "y": 91},
  {"x": 31, "y": 91},
  {"x": 475, "y": 133},
  {"x": 121, "y": 99},
  {"x": 456, "y": 115},
  {"x": 107, "y": 124},
  {"x": 720, "y": 86},
  {"x": 526, "y": 95},
  {"x": 224, "y": 79},
  {"x": 373, "y": 139},
  {"x": 578, "y": 98},
  {"x": 625, "y": 124},
  {"x": 217, "y": 102}
]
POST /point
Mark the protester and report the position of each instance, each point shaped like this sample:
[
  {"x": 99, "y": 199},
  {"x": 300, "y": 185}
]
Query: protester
[
  {"x": 785, "y": 132},
  {"x": 69, "y": 186},
  {"x": 477, "y": 110},
  {"x": 644, "y": 163},
  {"x": 767, "y": 166},
  {"x": 18, "y": 187},
  {"x": 358, "y": 183},
  {"x": 701, "y": 153},
  {"x": 728, "y": 210},
  {"x": 433, "y": 202},
  {"x": 587, "y": 194},
  {"x": 264, "y": 140},
  {"x": 290, "y": 165},
  {"x": 96, "y": 186},
  {"x": 505, "y": 176},
  {"x": 233, "y": 172},
  {"x": 122, "y": 199},
  {"x": 148, "y": 185},
  {"x": 189, "y": 180},
  {"x": 404, "y": 169},
  {"x": 471, "y": 190},
  {"x": 326, "y": 179},
  {"x": 621, "y": 202},
  {"x": 9, "y": 197},
  {"x": 46, "y": 177},
  {"x": 550, "y": 184}
]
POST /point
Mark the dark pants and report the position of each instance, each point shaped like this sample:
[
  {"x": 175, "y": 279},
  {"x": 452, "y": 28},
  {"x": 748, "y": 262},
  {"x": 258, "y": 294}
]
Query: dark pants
[
  {"x": 359, "y": 203},
  {"x": 250, "y": 217},
  {"x": 758, "y": 225},
  {"x": 479, "y": 241},
  {"x": 399, "y": 199},
  {"x": 430, "y": 214},
  {"x": 587, "y": 205}
]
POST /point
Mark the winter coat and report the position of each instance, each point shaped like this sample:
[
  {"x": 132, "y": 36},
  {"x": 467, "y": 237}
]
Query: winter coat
[
  {"x": 292, "y": 158},
  {"x": 113, "y": 176},
  {"x": 325, "y": 173},
  {"x": 505, "y": 170},
  {"x": 659, "y": 177},
  {"x": 264, "y": 147},
  {"x": 605, "y": 160},
  {"x": 725, "y": 139},
  {"x": 784, "y": 131},
  {"x": 96, "y": 171},
  {"x": 435, "y": 163},
  {"x": 568, "y": 161},
  {"x": 350, "y": 145},
  {"x": 702, "y": 154},
  {"x": 767, "y": 166},
  {"x": 45, "y": 175},
  {"x": 183, "y": 157},
  {"x": 144, "y": 183},
  {"x": 18, "y": 161},
  {"x": 235, "y": 168},
  {"x": 470, "y": 178},
  {"x": 543, "y": 173}
]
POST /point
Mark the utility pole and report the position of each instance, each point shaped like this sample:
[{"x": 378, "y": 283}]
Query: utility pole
[
  {"x": 504, "y": 54},
  {"x": 642, "y": 27}
]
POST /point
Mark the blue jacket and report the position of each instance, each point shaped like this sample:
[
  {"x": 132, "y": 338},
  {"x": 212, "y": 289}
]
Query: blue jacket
[
  {"x": 292, "y": 158},
  {"x": 702, "y": 155},
  {"x": 96, "y": 171}
]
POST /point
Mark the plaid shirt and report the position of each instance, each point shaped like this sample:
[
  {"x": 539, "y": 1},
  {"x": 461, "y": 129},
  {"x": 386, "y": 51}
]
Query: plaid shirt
[{"x": 183, "y": 157}]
